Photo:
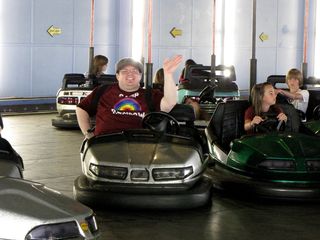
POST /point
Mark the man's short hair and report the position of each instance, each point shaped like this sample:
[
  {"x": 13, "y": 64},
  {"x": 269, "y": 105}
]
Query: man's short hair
[
  {"x": 295, "y": 73},
  {"x": 122, "y": 63}
]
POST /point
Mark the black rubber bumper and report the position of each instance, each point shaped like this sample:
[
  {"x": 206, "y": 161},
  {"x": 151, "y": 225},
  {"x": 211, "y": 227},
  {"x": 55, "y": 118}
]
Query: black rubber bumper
[
  {"x": 197, "y": 196},
  {"x": 247, "y": 186},
  {"x": 59, "y": 122}
]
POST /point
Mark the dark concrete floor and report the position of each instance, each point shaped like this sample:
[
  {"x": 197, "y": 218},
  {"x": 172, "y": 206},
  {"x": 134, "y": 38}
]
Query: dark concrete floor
[{"x": 51, "y": 156}]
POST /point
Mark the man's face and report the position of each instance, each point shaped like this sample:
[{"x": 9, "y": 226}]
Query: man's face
[
  {"x": 129, "y": 78},
  {"x": 293, "y": 83}
]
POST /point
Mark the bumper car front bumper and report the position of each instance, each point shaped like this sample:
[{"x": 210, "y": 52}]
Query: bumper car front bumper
[
  {"x": 242, "y": 185},
  {"x": 88, "y": 192},
  {"x": 68, "y": 120}
]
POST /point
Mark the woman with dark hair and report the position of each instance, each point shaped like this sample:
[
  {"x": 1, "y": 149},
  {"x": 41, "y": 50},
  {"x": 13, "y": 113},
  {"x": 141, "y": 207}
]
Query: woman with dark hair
[
  {"x": 158, "y": 80},
  {"x": 187, "y": 63},
  {"x": 99, "y": 66}
]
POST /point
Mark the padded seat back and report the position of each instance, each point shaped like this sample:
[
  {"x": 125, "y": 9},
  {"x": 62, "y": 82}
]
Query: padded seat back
[
  {"x": 294, "y": 120},
  {"x": 227, "y": 122},
  {"x": 276, "y": 79},
  {"x": 183, "y": 113},
  {"x": 197, "y": 77},
  {"x": 71, "y": 80},
  {"x": 314, "y": 101},
  {"x": 108, "y": 79}
]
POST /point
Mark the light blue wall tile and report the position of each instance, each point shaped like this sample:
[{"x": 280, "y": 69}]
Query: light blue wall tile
[
  {"x": 267, "y": 23},
  {"x": 81, "y": 22},
  {"x": 288, "y": 58},
  {"x": 265, "y": 56},
  {"x": 48, "y": 68},
  {"x": 15, "y": 21},
  {"x": 176, "y": 14},
  {"x": 15, "y": 71},
  {"x": 58, "y": 13}
]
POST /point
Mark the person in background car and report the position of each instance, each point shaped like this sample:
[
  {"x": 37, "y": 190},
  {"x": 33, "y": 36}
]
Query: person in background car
[
  {"x": 187, "y": 63},
  {"x": 99, "y": 66},
  {"x": 158, "y": 80},
  {"x": 297, "y": 97}
]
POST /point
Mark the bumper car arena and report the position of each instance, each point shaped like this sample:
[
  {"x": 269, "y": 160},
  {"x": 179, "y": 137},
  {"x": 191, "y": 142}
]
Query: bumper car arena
[{"x": 202, "y": 168}]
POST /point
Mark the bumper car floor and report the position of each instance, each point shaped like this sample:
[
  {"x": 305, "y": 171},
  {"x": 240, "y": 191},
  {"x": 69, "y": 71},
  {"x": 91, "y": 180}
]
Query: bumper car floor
[{"x": 51, "y": 156}]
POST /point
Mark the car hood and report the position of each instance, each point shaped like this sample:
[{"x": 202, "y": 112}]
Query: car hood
[
  {"x": 293, "y": 145},
  {"x": 25, "y": 204},
  {"x": 137, "y": 154}
]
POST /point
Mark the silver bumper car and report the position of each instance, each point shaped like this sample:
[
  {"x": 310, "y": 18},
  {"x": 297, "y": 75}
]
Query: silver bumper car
[
  {"x": 160, "y": 166},
  {"x": 30, "y": 210}
]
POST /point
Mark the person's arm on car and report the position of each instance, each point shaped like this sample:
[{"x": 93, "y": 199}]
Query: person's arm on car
[
  {"x": 294, "y": 96},
  {"x": 169, "y": 99},
  {"x": 84, "y": 122},
  {"x": 249, "y": 124}
]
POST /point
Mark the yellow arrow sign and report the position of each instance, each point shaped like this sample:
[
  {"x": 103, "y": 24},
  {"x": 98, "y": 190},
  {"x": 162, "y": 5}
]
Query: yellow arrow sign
[
  {"x": 54, "y": 31},
  {"x": 263, "y": 37},
  {"x": 175, "y": 32}
]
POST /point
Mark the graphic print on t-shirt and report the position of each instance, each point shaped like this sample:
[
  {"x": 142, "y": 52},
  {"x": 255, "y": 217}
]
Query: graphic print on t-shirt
[{"x": 127, "y": 104}]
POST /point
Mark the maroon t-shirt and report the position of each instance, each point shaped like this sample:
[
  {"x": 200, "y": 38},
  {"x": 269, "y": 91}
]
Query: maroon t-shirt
[
  {"x": 118, "y": 110},
  {"x": 249, "y": 114}
]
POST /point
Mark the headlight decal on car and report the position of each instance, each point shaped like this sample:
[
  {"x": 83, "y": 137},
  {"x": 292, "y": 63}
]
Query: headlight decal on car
[
  {"x": 278, "y": 165},
  {"x": 68, "y": 100},
  {"x": 109, "y": 172},
  {"x": 55, "y": 231},
  {"x": 139, "y": 175},
  {"x": 313, "y": 165},
  {"x": 163, "y": 174},
  {"x": 84, "y": 226},
  {"x": 92, "y": 224}
]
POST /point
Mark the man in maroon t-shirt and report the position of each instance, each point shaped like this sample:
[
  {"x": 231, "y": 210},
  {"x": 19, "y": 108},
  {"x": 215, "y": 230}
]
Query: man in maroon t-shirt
[{"x": 123, "y": 105}]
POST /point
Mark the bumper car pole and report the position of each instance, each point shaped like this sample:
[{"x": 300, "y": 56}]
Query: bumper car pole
[
  {"x": 91, "y": 40},
  {"x": 304, "y": 66},
  {"x": 253, "y": 60},
  {"x": 213, "y": 56},
  {"x": 149, "y": 64}
]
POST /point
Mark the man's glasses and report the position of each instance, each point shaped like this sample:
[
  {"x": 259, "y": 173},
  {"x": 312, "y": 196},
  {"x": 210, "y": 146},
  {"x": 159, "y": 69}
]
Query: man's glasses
[{"x": 127, "y": 72}]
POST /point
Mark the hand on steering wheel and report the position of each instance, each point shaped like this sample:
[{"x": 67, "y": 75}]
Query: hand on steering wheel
[
  {"x": 160, "y": 121},
  {"x": 270, "y": 124}
]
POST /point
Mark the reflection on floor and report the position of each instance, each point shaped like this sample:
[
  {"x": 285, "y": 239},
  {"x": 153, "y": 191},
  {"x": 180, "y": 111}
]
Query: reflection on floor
[{"x": 51, "y": 156}]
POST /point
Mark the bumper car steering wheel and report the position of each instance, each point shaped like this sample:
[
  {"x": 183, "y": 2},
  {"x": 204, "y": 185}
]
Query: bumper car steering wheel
[
  {"x": 206, "y": 95},
  {"x": 270, "y": 124},
  {"x": 160, "y": 122}
]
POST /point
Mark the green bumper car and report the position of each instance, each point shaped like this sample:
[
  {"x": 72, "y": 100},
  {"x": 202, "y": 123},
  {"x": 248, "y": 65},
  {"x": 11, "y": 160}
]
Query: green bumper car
[{"x": 274, "y": 164}]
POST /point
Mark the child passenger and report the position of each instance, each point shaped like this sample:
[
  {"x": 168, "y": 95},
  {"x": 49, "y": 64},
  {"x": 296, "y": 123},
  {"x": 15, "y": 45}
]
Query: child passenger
[
  {"x": 298, "y": 98},
  {"x": 263, "y": 101}
]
